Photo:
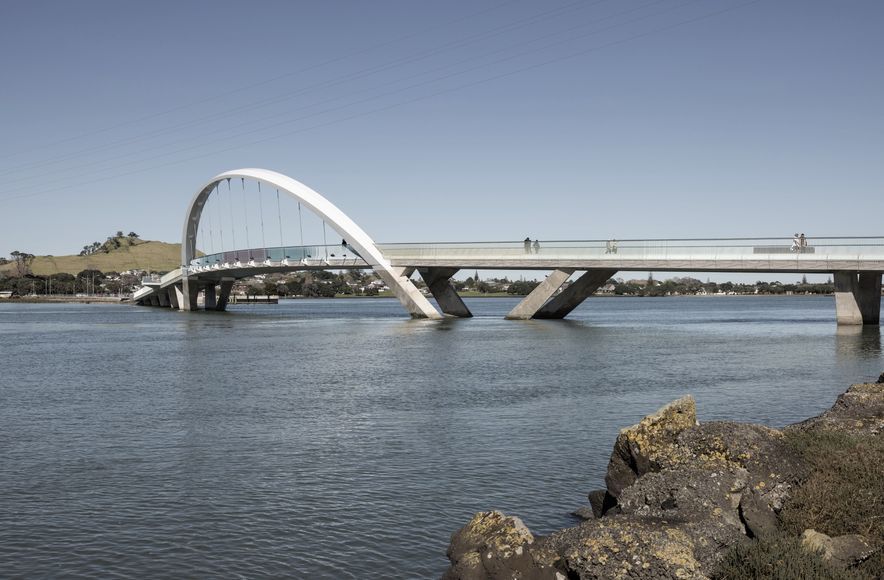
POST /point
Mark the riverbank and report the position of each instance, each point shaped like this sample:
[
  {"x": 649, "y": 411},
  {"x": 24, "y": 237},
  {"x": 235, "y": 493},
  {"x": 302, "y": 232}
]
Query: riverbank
[
  {"x": 720, "y": 500},
  {"x": 65, "y": 299}
]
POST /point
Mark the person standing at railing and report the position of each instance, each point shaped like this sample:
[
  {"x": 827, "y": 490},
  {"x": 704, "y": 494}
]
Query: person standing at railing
[
  {"x": 527, "y": 245},
  {"x": 802, "y": 243},
  {"x": 536, "y": 246},
  {"x": 796, "y": 243}
]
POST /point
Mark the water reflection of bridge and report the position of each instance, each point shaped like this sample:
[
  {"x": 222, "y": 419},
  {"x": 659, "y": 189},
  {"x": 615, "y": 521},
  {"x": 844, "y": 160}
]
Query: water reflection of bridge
[{"x": 855, "y": 263}]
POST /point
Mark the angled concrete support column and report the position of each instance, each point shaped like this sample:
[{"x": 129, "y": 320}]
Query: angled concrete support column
[
  {"x": 190, "y": 289},
  {"x": 174, "y": 294},
  {"x": 415, "y": 303},
  {"x": 179, "y": 296},
  {"x": 858, "y": 297},
  {"x": 438, "y": 281},
  {"x": 869, "y": 297},
  {"x": 210, "y": 302},
  {"x": 163, "y": 296},
  {"x": 569, "y": 299},
  {"x": 224, "y": 294},
  {"x": 538, "y": 297}
]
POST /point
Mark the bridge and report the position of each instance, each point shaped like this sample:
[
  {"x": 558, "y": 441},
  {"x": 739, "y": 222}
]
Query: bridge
[{"x": 855, "y": 263}]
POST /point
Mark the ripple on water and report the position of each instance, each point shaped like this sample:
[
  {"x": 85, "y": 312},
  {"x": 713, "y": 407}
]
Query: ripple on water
[{"x": 337, "y": 439}]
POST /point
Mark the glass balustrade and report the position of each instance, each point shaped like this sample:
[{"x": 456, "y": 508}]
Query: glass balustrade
[{"x": 772, "y": 249}]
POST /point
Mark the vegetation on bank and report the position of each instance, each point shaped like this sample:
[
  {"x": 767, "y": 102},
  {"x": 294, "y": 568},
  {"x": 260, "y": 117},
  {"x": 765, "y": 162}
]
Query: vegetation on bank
[
  {"x": 115, "y": 265},
  {"x": 843, "y": 494},
  {"x": 780, "y": 557},
  {"x": 116, "y": 254}
]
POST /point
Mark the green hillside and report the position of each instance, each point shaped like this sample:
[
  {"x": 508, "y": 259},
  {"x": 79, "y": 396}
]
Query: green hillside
[{"x": 132, "y": 254}]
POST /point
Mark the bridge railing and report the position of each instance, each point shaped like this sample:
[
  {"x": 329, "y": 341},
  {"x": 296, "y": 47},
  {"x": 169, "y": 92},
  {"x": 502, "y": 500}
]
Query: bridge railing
[
  {"x": 722, "y": 248},
  {"x": 306, "y": 255}
]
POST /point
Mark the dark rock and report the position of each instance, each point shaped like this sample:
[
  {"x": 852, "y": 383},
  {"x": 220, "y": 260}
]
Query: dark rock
[
  {"x": 842, "y": 551},
  {"x": 773, "y": 467},
  {"x": 623, "y": 546},
  {"x": 757, "y": 515},
  {"x": 880, "y": 378},
  {"x": 858, "y": 411},
  {"x": 679, "y": 495},
  {"x": 642, "y": 448},
  {"x": 703, "y": 502},
  {"x": 584, "y": 513},
  {"x": 494, "y": 545},
  {"x": 601, "y": 501}
]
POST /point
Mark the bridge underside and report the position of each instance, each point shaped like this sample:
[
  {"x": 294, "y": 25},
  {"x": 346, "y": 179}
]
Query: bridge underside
[{"x": 857, "y": 294}]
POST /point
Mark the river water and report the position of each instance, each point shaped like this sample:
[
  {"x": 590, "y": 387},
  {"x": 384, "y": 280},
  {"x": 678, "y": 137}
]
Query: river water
[{"x": 339, "y": 439}]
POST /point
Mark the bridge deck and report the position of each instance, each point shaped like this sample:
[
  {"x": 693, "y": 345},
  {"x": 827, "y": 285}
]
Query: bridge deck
[{"x": 825, "y": 255}]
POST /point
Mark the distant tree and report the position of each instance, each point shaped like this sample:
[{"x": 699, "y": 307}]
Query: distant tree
[
  {"x": 271, "y": 287},
  {"x": 119, "y": 233},
  {"x": 295, "y": 286},
  {"x": 23, "y": 262},
  {"x": 522, "y": 287},
  {"x": 319, "y": 290},
  {"x": 113, "y": 286},
  {"x": 63, "y": 283},
  {"x": 133, "y": 235}
]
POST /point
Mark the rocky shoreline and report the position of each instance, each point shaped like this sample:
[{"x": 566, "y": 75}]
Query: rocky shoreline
[{"x": 717, "y": 499}]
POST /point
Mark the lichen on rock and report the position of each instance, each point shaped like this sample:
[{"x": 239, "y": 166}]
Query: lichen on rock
[{"x": 679, "y": 496}]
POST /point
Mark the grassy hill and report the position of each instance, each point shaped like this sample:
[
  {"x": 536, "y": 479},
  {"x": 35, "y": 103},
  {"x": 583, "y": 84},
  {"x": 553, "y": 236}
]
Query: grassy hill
[{"x": 132, "y": 254}]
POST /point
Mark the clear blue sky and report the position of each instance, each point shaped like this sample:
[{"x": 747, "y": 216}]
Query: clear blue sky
[{"x": 460, "y": 120}]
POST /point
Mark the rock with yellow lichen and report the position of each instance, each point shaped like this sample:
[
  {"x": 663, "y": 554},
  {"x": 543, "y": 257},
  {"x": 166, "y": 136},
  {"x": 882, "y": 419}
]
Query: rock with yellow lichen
[
  {"x": 647, "y": 445},
  {"x": 494, "y": 545},
  {"x": 679, "y": 495},
  {"x": 858, "y": 411}
]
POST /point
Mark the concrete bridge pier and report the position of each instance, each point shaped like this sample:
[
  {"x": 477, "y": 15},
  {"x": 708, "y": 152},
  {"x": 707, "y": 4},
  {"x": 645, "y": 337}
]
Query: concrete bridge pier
[
  {"x": 858, "y": 297},
  {"x": 224, "y": 294},
  {"x": 534, "y": 301},
  {"x": 188, "y": 292},
  {"x": 163, "y": 297},
  {"x": 210, "y": 301},
  {"x": 439, "y": 282},
  {"x": 415, "y": 303},
  {"x": 173, "y": 298},
  {"x": 569, "y": 299}
]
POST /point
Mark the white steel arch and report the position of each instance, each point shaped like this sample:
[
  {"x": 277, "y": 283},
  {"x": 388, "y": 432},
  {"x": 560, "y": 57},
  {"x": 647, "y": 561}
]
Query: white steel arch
[{"x": 411, "y": 298}]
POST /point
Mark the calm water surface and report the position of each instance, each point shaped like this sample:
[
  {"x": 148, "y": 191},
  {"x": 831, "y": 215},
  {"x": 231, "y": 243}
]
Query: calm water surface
[{"x": 338, "y": 439}]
